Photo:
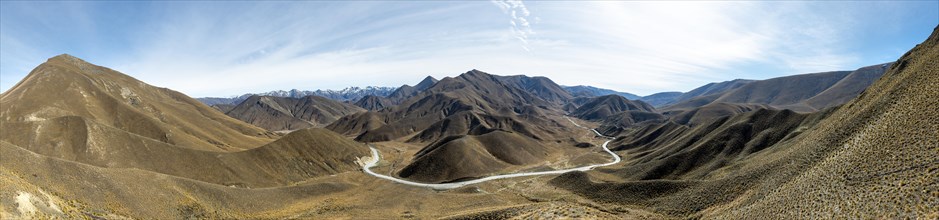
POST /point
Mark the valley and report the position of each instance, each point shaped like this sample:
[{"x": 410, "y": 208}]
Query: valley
[
  {"x": 376, "y": 157},
  {"x": 79, "y": 140}
]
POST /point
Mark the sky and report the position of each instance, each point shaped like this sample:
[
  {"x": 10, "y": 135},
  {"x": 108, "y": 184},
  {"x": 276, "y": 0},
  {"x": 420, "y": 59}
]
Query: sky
[{"x": 223, "y": 49}]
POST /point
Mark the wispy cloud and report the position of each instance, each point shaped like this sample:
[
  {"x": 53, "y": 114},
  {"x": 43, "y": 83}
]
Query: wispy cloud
[
  {"x": 521, "y": 27},
  {"x": 221, "y": 49}
]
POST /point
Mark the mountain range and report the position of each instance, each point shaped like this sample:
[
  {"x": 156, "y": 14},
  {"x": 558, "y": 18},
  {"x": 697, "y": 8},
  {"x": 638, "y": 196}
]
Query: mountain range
[
  {"x": 288, "y": 114},
  {"x": 347, "y": 94},
  {"x": 79, "y": 140}
]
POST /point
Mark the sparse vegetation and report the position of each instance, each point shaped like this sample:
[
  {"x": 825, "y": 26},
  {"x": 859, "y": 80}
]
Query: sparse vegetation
[{"x": 84, "y": 141}]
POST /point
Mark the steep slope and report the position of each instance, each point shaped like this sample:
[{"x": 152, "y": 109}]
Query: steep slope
[
  {"x": 880, "y": 150},
  {"x": 373, "y": 103},
  {"x": 803, "y": 93},
  {"x": 223, "y": 107},
  {"x": 711, "y": 89},
  {"x": 874, "y": 157},
  {"x": 617, "y": 123},
  {"x": 702, "y": 149},
  {"x": 590, "y": 91},
  {"x": 784, "y": 90},
  {"x": 472, "y": 93},
  {"x": 68, "y": 86},
  {"x": 661, "y": 99},
  {"x": 101, "y": 118},
  {"x": 605, "y": 106},
  {"x": 297, "y": 156},
  {"x": 358, "y": 123},
  {"x": 404, "y": 92},
  {"x": 426, "y": 83},
  {"x": 540, "y": 86},
  {"x": 467, "y": 156},
  {"x": 847, "y": 88},
  {"x": 710, "y": 112},
  {"x": 281, "y": 113},
  {"x": 474, "y": 123},
  {"x": 63, "y": 189}
]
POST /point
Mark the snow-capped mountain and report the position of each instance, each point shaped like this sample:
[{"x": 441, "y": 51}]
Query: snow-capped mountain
[{"x": 347, "y": 94}]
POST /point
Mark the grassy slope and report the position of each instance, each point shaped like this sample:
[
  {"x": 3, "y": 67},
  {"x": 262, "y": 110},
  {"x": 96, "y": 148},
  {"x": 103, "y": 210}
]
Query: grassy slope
[{"x": 874, "y": 157}]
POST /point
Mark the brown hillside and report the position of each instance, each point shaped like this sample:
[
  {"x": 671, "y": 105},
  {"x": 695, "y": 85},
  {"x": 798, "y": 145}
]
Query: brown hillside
[
  {"x": 502, "y": 106},
  {"x": 81, "y": 191},
  {"x": 223, "y": 107},
  {"x": 459, "y": 157},
  {"x": 619, "y": 122},
  {"x": 297, "y": 156},
  {"x": 540, "y": 86},
  {"x": 874, "y": 157},
  {"x": 373, "y": 103},
  {"x": 710, "y": 89},
  {"x": 474, "y": 124},
  {"x": 405, "y": 92},
  {"x": 285, "y": 113},
  {"x": 67, "y": 86},
  {"x": 678, "y": 152},
  {"x": 710, "y": 112},
  {"x": 803, "y": 93},
  {"x": 848, "y": 88},
  {"x": 605, "y": 106}
]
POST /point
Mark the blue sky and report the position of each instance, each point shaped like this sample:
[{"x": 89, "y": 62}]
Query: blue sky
[{"x": 224, "y": 49}]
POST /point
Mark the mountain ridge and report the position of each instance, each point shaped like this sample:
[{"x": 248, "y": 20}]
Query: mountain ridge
[
  {"x": 347, "y": 94},
  {"x": 286, "y": 114}
]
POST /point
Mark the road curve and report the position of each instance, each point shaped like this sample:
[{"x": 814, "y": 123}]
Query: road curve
[{"x": 376, "y": 157}]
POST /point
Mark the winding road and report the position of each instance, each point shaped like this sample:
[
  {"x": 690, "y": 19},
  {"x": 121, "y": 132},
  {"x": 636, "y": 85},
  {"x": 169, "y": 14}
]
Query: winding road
[{"x": 376, "y": 157}]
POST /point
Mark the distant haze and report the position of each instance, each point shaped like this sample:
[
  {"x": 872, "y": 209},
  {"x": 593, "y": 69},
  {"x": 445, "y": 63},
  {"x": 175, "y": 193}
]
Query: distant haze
[{"x": 224, "y": 49}]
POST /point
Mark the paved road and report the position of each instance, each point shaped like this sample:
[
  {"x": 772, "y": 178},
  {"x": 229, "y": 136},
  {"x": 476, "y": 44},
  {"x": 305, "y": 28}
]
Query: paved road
[{"x": 373, "y": 161}]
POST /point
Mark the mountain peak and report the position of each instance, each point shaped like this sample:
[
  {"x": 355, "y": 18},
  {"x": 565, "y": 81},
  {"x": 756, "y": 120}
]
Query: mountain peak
[
  {"x": 475, "y": 72},
  {"x": 428, "y": 79},
  {"x": 67, "y": 59},
  {"x": 82, "y": 65},
  {"x": 426, "y": 83},
  {"x": 63, "y": 56}
]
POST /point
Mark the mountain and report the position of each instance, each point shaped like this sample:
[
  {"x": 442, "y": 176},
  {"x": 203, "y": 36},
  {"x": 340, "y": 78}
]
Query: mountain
[
  {"x": 402, "y": 93},
  {"x": 869, "y": 158},
  {"x": 540, "y": 86},
  {"x": 590, "y": 91},
  {"x": 848, "y": 87},
  {"x": 622, "y": 121},
  {"x": 347, "y": 94},
  {"x": 223, "y": 107},
  {"x": 712, "y": 88},
  {"x": 710, "y": 112},
  {"x": 83, "y": 141},
  {"x": 103, "y": 118},
  {"x": 373, "y": 103},
  {"x": 74, "y": 91},
  {"x": 672, "y": 151},
  {"x": 405, "y": 91},
  {"x": 286, "y": 114},
  {"x": 615, "y": 113},
  {"x": 471, "y": 98},
  {"x": 426, "y": 83},
  {"x": 605, "y": 106},
  {"x": 661, "y": 99},
  {"x": 467, "y": 156},
  {"x": 277, "y": 163},
  {"x": 804, "y": 93},
  {"x": 468, "y": 119}
]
